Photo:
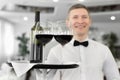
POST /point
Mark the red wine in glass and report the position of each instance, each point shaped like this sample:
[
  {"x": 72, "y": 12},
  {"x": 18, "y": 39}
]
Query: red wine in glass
[
  {"x": 63, "y": 39},
  {"x": 41, "y": 40}
]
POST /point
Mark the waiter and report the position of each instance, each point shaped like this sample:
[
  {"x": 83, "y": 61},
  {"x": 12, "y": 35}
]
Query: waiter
[{"x": 95, "y": 59}]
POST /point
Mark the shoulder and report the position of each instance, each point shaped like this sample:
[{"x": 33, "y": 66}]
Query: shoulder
[
  {"x": 97, "y": 44},
  {"x": 100, "y": 48}
]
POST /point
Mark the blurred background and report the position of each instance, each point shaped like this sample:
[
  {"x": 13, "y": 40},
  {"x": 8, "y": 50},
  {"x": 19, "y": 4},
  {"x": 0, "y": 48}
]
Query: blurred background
[{"x": 17, "y": 19}]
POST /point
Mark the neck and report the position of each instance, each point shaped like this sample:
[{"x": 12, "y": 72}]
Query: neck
[{"x": 80, "y": 37}]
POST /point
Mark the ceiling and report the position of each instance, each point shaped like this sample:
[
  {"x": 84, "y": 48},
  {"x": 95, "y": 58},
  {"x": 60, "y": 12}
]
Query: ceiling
[{"x": 9, "y": 9}]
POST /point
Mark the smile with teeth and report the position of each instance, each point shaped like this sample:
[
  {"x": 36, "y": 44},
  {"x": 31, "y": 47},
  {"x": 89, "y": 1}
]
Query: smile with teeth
[{"x": 80, "y": 26}]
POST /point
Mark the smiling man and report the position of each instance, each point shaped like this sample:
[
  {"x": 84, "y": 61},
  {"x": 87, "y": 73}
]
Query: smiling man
[
  {"x": 95, "y": 59},
  {"x": 79, "y": 21}
]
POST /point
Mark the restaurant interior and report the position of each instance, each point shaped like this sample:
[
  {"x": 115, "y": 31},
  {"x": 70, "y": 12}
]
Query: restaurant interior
[{"x": 17, "y": 17}]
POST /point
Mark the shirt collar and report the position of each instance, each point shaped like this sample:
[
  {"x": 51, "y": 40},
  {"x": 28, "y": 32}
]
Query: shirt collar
[{"x": 72, "y": 41}]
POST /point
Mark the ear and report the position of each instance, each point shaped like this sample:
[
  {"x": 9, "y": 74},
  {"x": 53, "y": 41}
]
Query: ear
[{"x": 90, "y": 21}]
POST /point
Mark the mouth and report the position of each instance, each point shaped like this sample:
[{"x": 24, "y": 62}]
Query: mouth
[{"x": 80, "y": 26}]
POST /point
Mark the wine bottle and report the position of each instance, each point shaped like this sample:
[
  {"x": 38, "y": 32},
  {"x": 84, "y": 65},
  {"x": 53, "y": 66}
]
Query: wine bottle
[{"x": 36, "y": 47}]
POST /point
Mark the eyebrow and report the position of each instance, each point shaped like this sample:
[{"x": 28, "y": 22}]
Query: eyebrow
[{"x": 81, "y": 15}]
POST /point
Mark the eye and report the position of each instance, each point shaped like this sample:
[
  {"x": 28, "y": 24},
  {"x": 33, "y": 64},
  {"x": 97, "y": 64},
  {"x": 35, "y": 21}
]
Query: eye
[
  {"x": 75, "y": 17},
  {"x": 84, "y": 17}
]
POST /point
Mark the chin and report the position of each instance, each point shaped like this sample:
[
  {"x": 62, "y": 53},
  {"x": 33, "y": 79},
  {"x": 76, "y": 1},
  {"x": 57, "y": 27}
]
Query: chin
[{"x": 80, "y": 34}]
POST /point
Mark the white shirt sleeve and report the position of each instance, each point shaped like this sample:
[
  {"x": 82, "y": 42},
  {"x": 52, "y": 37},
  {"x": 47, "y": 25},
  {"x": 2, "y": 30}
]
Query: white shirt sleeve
[
  {"x": 54, "y": 57},
  {"x": 110, "y": 68}
]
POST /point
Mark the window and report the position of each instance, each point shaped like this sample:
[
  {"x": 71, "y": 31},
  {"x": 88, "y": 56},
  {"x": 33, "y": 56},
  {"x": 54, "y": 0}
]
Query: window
[{"x": 6, "y": 39}]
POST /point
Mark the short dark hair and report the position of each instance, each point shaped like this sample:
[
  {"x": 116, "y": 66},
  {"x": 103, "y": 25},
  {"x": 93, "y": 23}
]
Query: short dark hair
[{"x": 76, "y": 6}]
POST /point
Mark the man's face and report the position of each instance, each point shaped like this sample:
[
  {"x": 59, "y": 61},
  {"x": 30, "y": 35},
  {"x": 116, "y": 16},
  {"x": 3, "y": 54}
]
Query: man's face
[{"x": 79, "y": 21}]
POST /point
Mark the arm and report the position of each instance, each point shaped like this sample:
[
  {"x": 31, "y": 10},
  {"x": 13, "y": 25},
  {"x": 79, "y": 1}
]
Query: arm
[
  {"x": 110, "y": 67},
  {"x": 54, "y": 57}
]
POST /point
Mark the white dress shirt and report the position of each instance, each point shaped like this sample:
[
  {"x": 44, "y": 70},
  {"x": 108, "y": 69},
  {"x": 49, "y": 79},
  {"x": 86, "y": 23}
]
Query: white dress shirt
[{"x": 94, "y": 61}]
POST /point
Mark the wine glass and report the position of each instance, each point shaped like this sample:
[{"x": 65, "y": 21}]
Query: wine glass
[
  {"x": 62, "y": 34},
  {"x": 43, "y": 37},
  {"x": 63, "y": 38},
  {"x": 42, "y": 40}
]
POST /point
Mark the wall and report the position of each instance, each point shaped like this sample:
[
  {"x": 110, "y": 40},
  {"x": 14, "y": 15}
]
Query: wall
[{"x": 109, "y": 27}]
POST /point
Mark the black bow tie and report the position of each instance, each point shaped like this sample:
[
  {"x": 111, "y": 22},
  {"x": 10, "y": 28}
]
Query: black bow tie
[{"x": 77, "y": 43}]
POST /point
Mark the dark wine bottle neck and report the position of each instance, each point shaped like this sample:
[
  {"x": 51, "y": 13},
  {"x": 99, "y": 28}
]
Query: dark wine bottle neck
[{"x": 37, "y": 16}]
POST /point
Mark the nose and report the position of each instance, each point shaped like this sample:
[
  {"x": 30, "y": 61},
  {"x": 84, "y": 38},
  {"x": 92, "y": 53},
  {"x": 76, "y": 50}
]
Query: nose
[{"x": 80, "y": 20}]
